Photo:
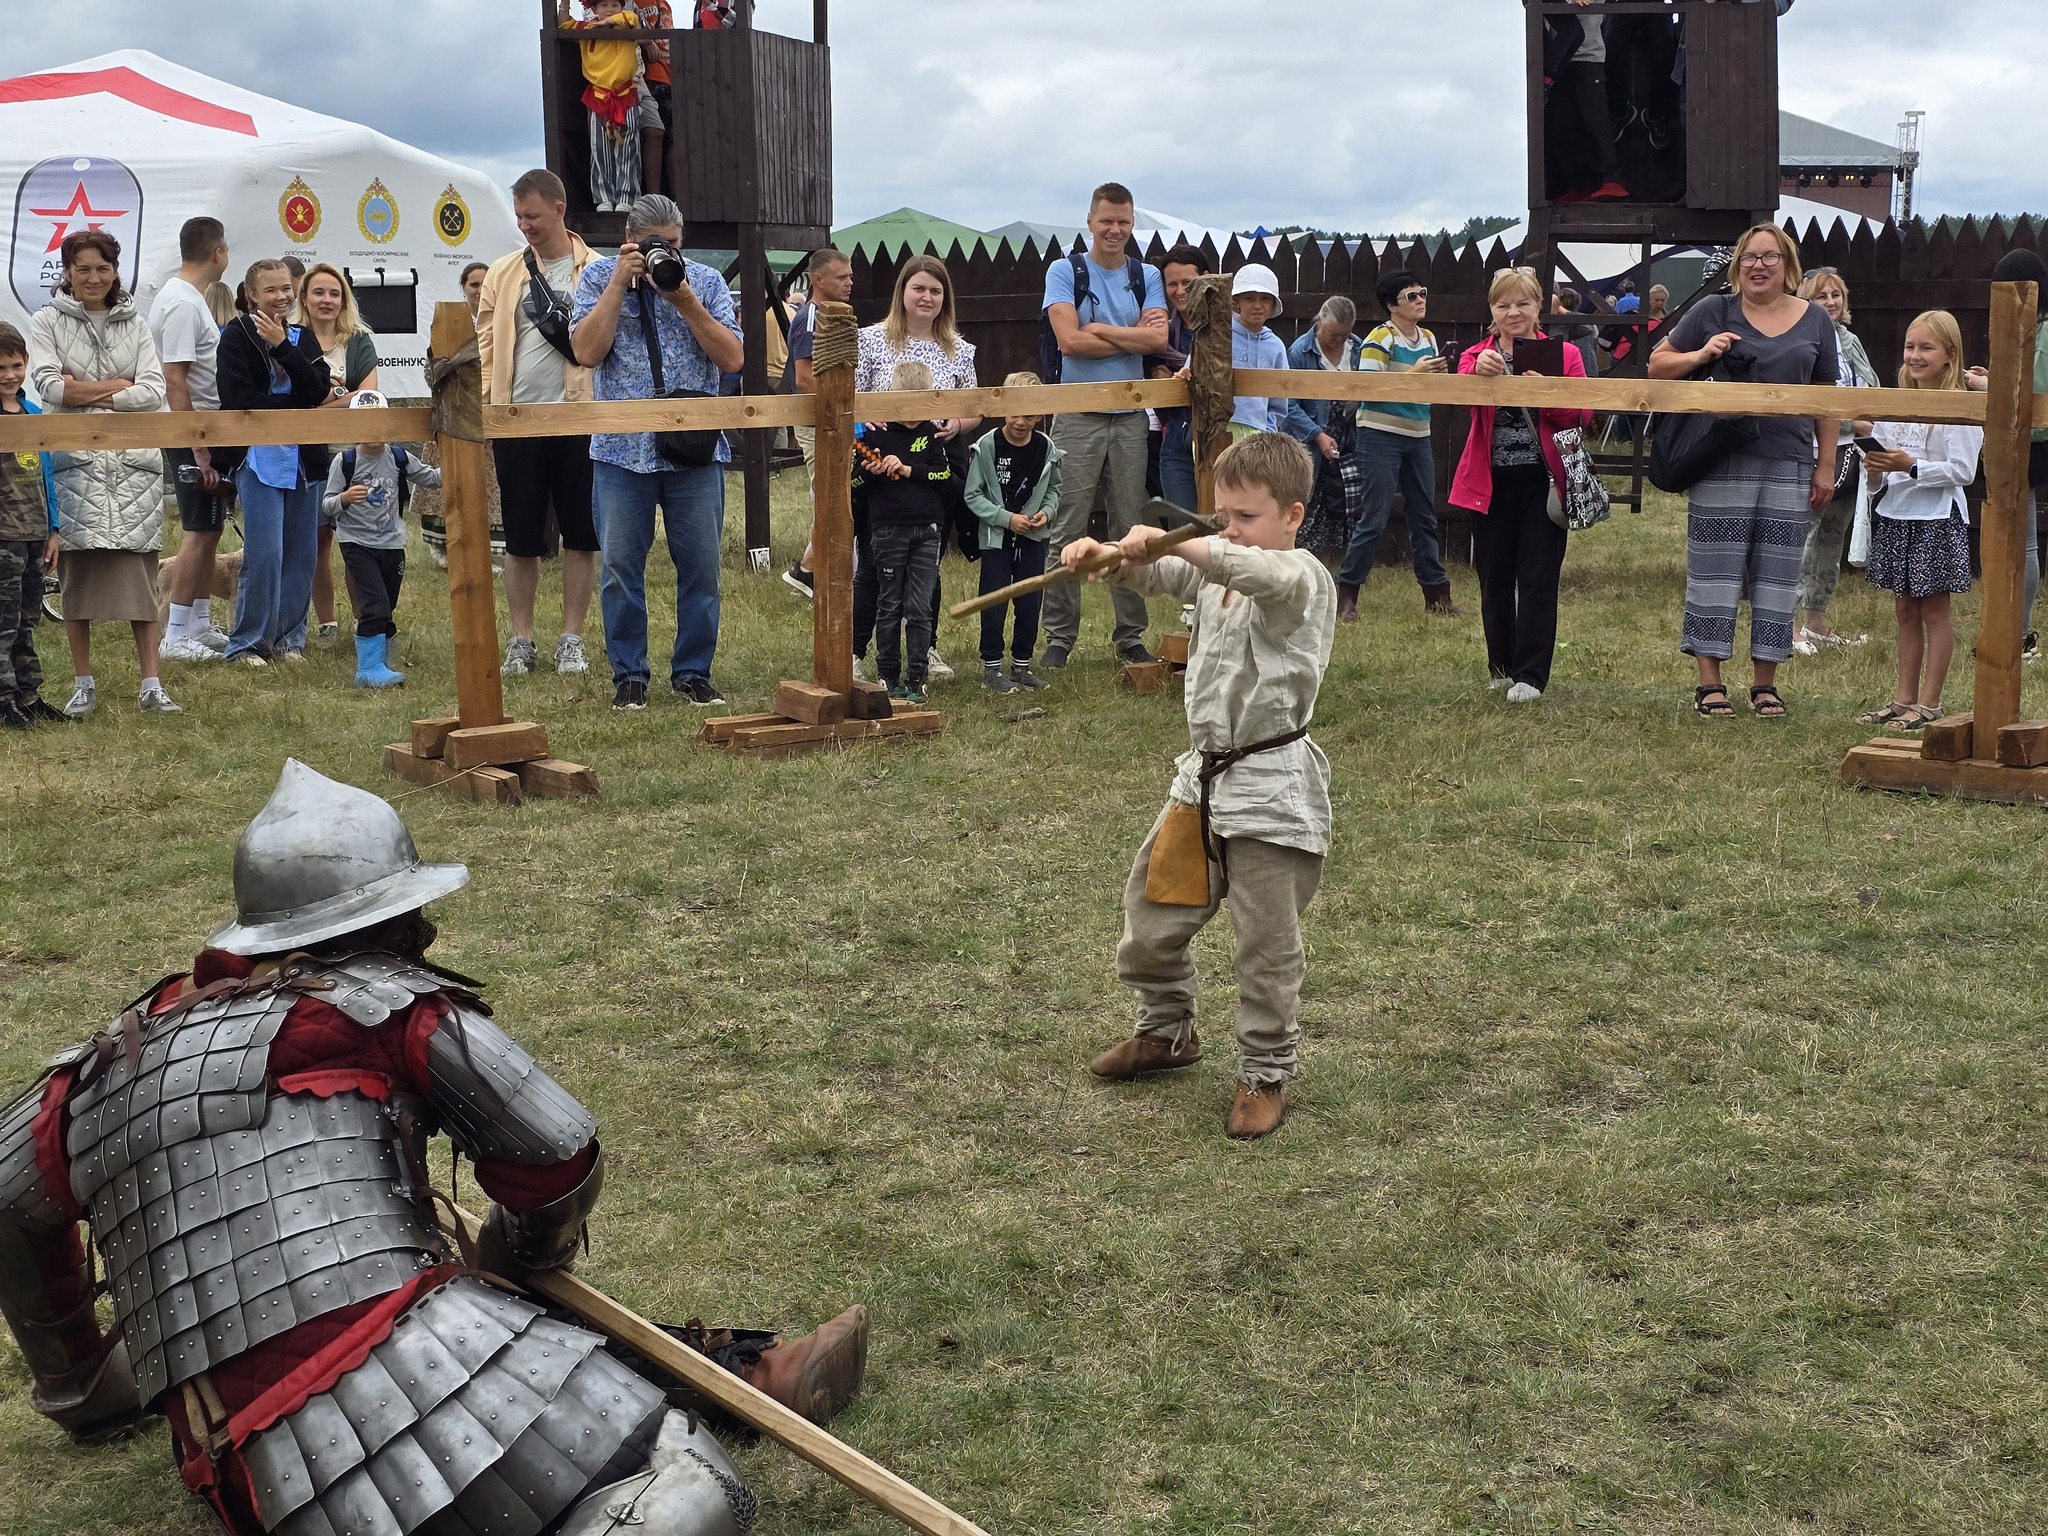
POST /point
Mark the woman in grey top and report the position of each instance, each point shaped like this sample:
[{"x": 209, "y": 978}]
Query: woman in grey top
[
  {"x": 1747, "y": 521},
  {"x": 1821, "y": 566}
]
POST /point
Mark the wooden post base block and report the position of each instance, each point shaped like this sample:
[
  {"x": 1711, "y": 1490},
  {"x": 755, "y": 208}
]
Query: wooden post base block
[
  {"x": 2024, "y": 744},
  {"x": 810, "y": 704},
  {"x": 1949, "y": 739},
  {"x": 516, "y": 741},
  {"x": 869, "y": 701},
  {"x": 549, "y": 778},
  {"x": 718, "y": 731},
  {"x": 1893, "y": 764},
  {"x": 486, "y": 786},
  {"x": 1146, "y": 676},
  {"x": 429, "y": 737},
  {"x": 785, "y": 738},
  {"x": 1172, "y": 649}
]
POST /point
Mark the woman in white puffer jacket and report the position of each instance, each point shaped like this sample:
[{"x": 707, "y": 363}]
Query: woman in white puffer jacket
[{"x": 90, "y": 350}]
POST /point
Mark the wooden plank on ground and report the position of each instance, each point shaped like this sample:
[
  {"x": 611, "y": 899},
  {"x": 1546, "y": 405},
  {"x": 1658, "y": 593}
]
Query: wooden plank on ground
[
  {"x": 869, "y": 701},
  {"x": 1948, "y": 740},
  {"x": 916, "y": 722},
  {"x": 810, "y": 703},
  {"x": 516, "y": 741},
  {"x": 719, "y": 730},
  {"x": 549, "y": 778},
  {"x": 1878, "y": 765},
  {"x": 486, "y": 786},
  {"x": 429, "y": 737},
  {"x": 2024, "y": 744}
]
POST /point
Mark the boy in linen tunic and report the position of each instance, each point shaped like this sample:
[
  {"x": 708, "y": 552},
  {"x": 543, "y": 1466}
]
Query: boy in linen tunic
[{"x": 1265, "y": 616}]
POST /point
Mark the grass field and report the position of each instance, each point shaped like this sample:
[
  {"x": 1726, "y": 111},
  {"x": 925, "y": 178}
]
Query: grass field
[{"x": 1668, "y": 1155}]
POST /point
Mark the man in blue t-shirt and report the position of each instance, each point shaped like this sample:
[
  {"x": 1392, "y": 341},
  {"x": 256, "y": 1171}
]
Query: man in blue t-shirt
[{"x": 1105, "y": 337}]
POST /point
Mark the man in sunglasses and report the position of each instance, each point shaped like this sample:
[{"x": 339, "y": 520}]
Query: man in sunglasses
[{"x": 1395, "y": 453}]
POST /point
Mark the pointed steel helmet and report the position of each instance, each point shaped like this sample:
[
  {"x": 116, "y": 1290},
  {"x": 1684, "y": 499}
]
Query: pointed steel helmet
[{"x": 323, "y": 859}]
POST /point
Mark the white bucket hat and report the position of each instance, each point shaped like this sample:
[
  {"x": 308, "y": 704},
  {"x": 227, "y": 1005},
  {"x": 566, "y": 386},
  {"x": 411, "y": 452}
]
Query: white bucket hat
[{"x": 1257, "y": 279}]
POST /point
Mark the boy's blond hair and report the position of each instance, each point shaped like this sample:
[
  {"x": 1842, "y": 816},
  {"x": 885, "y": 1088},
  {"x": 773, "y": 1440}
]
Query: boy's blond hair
[
  {"x": 1025, "y": 380},
  {"x": 1272, "y": 462},
  {"x": 911, "y": 374}
]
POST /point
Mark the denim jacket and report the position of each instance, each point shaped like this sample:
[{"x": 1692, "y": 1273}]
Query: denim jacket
[{"x": 1307, "y": 356}]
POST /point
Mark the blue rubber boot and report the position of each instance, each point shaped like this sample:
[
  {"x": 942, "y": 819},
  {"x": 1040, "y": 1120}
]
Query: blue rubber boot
[{"x": 370, "y": 669}]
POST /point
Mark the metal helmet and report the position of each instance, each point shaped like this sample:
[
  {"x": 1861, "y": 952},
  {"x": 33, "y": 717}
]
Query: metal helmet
[{"x": 324, "y": 859}]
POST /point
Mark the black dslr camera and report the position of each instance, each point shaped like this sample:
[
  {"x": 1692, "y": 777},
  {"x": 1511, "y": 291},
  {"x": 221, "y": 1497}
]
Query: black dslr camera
[{"x": 664, "y": 263}]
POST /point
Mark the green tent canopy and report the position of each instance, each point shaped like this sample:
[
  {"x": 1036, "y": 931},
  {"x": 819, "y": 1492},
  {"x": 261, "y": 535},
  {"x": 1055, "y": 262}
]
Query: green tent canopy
[{"x": 906, "y": 228}]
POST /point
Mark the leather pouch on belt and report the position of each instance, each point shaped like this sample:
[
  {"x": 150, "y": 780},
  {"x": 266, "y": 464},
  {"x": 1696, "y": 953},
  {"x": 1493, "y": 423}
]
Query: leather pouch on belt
[{"x": 1178, "y": 875}]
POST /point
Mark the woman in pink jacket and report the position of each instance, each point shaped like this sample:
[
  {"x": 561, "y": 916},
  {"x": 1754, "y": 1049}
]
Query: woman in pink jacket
[{"x": 1509, "y": 467}]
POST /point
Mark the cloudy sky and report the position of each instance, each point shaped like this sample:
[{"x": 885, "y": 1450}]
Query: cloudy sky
[{"x": 1380, "y": 115}]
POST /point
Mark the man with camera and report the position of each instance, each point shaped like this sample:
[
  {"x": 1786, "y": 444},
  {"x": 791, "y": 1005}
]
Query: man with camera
[
  {"x": 654, "y": 325},
  {"x": 522, "y": 325}
]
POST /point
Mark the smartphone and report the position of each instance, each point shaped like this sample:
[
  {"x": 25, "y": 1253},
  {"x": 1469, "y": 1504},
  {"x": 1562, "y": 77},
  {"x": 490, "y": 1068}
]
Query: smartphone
[
  {"x": 1871, "y": 445},
  {"x": 1540, "y": 354}
]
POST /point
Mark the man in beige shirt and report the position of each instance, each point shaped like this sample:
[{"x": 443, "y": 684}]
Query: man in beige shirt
[{"x": 1248, "y": 817}]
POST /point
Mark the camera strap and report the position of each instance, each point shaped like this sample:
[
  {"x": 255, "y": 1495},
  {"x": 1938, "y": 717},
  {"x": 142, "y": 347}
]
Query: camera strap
[
  {"x": 643, "y": 295},
  {"x": 546, "y": 309}
]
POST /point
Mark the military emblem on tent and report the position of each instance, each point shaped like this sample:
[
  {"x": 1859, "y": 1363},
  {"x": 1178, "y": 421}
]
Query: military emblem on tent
[
  {"x": 60, "y": 197},
  {"x": 451, "y": 217},
  {"x": 377, "y": 214},
  {"x": 298, "y": 212}
]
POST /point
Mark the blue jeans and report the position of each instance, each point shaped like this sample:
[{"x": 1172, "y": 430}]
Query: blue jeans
[
  {"x": 1394, "y": 461},
  {"x": 280, "y": 532},
  {"x": 692, "y": 502},
  {"x": 1177, "y": 475}
]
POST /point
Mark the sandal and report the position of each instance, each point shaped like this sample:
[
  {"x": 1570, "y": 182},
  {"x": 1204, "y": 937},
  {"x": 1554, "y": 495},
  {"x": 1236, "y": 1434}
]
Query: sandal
[
  {"x": 1885, "y": 714},
  {"x": 1914, "y": 717},
  {"x": 1765, "y": 703},
  {"x": 1703, "y": 701}
]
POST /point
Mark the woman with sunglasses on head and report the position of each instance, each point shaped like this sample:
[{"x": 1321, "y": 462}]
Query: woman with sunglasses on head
[
  {"x": 1820, "y": 567},
  {"x": 1748, "y": 518}
]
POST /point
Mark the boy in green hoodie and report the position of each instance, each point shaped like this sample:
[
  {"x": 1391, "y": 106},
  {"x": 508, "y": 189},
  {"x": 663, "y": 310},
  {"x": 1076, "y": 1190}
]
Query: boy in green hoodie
[{"x": 1013, "y": 488}]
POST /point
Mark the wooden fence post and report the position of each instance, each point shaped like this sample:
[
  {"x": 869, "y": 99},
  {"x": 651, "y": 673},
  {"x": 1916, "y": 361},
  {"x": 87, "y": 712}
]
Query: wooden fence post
[
  {"x": 1212, "y": 398},
  {"x": 465, "y": 497},
  {"x": 835, "y": 351},
  {"x": 2002, "y": 537}
]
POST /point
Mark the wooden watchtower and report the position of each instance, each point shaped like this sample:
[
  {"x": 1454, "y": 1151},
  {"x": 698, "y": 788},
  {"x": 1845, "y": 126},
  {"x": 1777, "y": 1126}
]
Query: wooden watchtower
[
  {"x": 749, "y": 162},
  {"x": 1697, "y": 154}
]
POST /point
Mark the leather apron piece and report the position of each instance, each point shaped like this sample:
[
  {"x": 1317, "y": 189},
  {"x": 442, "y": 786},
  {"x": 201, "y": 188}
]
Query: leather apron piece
[{"x": 1178, "y": 873}]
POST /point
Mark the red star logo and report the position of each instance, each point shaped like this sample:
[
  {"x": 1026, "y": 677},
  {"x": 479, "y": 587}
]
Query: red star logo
[{"x": 80, "y": 211}]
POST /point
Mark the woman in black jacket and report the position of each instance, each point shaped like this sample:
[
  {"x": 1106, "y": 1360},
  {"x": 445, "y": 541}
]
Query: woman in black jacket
[{"x": 267, "y": 365}]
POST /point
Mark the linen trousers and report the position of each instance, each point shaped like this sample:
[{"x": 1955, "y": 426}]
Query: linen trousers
[{"x": 1271, "y": 886}]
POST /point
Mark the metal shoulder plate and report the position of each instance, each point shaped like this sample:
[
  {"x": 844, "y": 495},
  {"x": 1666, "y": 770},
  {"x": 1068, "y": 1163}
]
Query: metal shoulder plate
[
  {"x": 24, "y": 1194},
  {"x": 495, "y": 1101},
  {"x": 371, "y": 987}
]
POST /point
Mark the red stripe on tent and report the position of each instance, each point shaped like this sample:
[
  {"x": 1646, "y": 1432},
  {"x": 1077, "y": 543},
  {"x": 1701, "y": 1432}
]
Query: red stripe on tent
[{"x": 129, "y": 86}]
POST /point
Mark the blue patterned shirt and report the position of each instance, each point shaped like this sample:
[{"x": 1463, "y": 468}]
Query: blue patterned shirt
[{"x": 626, "y": 373}]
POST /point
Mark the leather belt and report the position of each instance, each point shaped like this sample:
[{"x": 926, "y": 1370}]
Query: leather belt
[{"x": 1214, "y": 766}]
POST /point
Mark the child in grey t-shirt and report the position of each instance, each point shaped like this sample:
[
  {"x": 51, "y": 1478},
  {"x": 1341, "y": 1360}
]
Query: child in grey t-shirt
[{"x": 366, "y": 494}]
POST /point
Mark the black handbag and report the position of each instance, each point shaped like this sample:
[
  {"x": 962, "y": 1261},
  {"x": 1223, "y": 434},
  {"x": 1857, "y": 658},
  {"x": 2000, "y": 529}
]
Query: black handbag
[
  {"x": 696, "y": 448},
  {"x": 547, "y": 309},
  {"x": 1687, "y": 447}
]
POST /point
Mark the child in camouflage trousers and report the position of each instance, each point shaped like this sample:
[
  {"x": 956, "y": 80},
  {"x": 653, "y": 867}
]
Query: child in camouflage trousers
[{"x": 28, "y": 544}]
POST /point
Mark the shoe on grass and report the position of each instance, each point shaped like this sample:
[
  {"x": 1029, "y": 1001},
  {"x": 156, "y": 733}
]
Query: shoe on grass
[
  {"x": 85, "y": 698},
  {"x": 1022, "y": 675},
  {"x": 898, "y": 693},
  {"x": 212, "y": 637},
  {"x": 328, "y": 632},
  {"x": 1142, "y": 1054},
  {"x": 520, "y": 657},
  {"x": 1055, "y": 658},
  {"x": 1524, "y": 693},
  {"x": 157, "y": 702},
  {"x": 2030, "y": 648},
  {"x": 291, "y": 653},
  {"x": 186, "y": 649},
  {"x": 800, "y": 581},
  {"x": 569, "y": 658},
  {"x": 40, "y": 711},
  {"x": 630, "y": 695},
  {"x": 935, "y": 664},
  {"x": 914, "y": 695},
  {"x": 995, "y": 679},
  {"x": 1135, "y": 655},
  {"x": 249, "y": 659},
  {"x": 1256, "y": 1112},
  {"x": 698, "y": 691},
  {"x": 12, "y": 719}
]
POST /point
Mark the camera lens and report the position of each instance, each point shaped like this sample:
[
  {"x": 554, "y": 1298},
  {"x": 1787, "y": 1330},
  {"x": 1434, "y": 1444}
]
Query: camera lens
[{"x": 664, "y": 266}]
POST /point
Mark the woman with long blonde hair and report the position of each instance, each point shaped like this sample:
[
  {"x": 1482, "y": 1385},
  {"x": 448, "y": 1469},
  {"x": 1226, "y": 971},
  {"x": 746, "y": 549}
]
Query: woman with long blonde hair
[
  {"x": 1919, "y": 534},
  {"x": 1820, "y": 567},
  {"x": 327, "y": 307},
  {"x": 1748, "y": 518}
]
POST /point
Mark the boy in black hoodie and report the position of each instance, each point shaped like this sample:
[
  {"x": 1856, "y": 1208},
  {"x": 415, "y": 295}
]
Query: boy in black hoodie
[{"x": 903, "y": 469}]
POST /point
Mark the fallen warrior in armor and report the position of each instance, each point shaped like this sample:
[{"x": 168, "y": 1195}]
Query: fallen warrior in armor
[{"x": 248, "y": 1147}]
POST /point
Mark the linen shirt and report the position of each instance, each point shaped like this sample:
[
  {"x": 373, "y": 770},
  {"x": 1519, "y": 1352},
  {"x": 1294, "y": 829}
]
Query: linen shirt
[
  {"x": 1260, "y": 643},
  {"x": 626, "y": 372}
]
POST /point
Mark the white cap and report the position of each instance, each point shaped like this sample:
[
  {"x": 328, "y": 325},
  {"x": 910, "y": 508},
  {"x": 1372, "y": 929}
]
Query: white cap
[
  {"x": 1256, "y": 279},
  {"x": 368, "y": 399}
]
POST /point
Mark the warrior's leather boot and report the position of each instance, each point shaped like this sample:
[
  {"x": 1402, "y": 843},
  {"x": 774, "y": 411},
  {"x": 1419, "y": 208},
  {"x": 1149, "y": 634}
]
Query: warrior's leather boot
[
  {"x": 1439, "y": 600},
  {"x": 1256, "y": 1112},
  {"x": 818, "y": 1374},
  {"x": 1347, "y": 603},
  {"x": 1146, "y": 1053}
]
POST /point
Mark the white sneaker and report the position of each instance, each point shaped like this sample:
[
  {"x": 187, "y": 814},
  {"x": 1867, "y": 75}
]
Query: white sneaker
[
  {"x": 85, "y": 698},
  {"x": 520, "y": 656},
  {"x": 1496, "y": 684},
  {"x": 860, "y": 674},
  {"x": 1522, "y": 693},
  {"x": 1805, "y": 642},
  {"x": 935, "y": 664},
  {"x": 157, "y": 702},
  {"x": 569, "y": 658},
  {"x": 290, "y": 655},
  {"x": 186, "y": 649},
  {"x": 249, "y": 659},
  {"x": 212, "y": 638},
  {"x": 327, "y": 634}
]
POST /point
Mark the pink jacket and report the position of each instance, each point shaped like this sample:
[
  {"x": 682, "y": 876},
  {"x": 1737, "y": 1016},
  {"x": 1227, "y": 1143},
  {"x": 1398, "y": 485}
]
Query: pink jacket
[{"x": 1472, "y": 486}]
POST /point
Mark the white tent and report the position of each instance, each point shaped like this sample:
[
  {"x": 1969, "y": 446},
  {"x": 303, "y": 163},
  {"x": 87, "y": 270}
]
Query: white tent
[{"x": 136, "y": 145}]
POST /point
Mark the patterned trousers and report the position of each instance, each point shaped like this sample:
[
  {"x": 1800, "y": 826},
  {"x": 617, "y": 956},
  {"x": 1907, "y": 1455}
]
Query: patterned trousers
[
  {"x": 21, "y": 608},
  {"x": 1743, "y": 539}
]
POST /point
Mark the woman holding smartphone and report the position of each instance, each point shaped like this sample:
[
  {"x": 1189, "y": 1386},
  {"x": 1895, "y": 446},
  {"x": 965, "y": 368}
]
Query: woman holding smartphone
[
  {"x": 1510, "y": 466},
  {"x": 327, "y": 308}
]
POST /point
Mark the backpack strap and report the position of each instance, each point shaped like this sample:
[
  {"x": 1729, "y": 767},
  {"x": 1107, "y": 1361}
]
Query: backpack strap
[
  {"x": 404, "y": 480},
  {"x": 348, "y": 466},
  {"x": 1082, "y": 287}
]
